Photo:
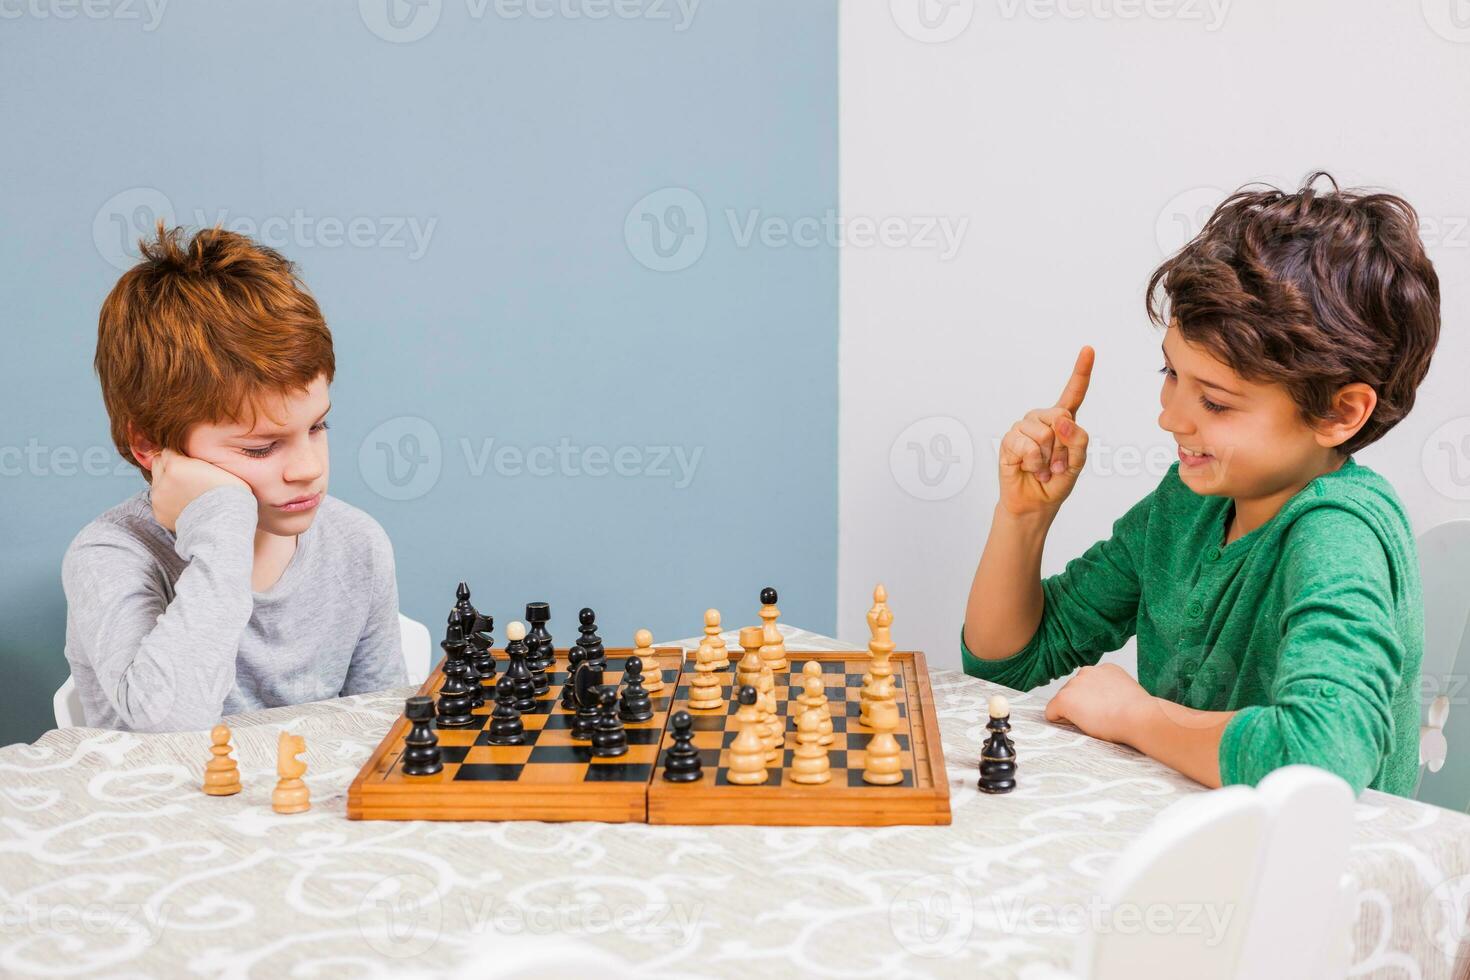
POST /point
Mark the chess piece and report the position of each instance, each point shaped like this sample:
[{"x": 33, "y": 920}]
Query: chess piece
[
  {"x": 748, "y": 671},
  {"x": 814, "y": 698},
  {"x": 998, "y": 754},
  {"x": 705, "y": 692},
  {"x": 775, "y": 725},
  {"x": 221, "y": 774},
  {"x": 575, "y": 656},
  {"x": 456, "y": 701},
  {"x": 586, "y": 682},
  {"x": 712, "y": 634},
  {"x": 473, "y": 678},
  {"x": 882, "y": 765},
  {"x": 880, "y": 666},
  {"x": 466, "y": 608},
  {"x": 519, "y": 672},
  {"x": 769, "y": 615},
  {"x": 540, "y": 652},
  {"x": 748, "y": 752},
  {"x": 635, "y": 704},
  {"x": 809, "y": 763},
  {"x": 506, "y": 727},
  {"x": 681, "y": 760},
  {"x": 589, "y": 640},
  {"x": 880, "y": 603},
  {"x": 608, "y": 737},
  {"x": 421, "y": 756},
  {"x": 643, "y": 648},
  {"x": 773, "y": 649},
  {"x": 882, "y": 692},
  {"x": 481, "y": 643},
  {"x": 291, "y": 794}
]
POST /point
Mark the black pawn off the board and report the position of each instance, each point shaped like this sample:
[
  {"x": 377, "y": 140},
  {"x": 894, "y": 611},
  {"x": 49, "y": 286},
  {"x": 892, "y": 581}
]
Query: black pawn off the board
[
  {"x": 998, "y": 755},
  {"x": 421, "y": 756},
  {"x": 506, "y": 727},
  {"x": 590, "y": 642},
  {"x": 518, "y": 673},
  {"x": 456, "y": 702},
  {"x": 681, "y": 761},
  {"x": 586, "y": 683},
  {"x": 609, "y": 739},
  {"x": 636, "y": 704}
]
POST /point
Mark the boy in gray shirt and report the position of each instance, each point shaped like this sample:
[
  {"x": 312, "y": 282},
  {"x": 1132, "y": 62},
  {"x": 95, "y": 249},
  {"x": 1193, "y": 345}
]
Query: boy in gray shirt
[{"x": 233, "y": 582}]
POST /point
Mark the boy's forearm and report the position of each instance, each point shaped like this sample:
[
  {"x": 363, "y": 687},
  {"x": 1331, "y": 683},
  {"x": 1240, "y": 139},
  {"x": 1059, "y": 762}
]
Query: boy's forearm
[
  {"x": 1005, "y": 603},
  {"x": 1185, "y": 739}
]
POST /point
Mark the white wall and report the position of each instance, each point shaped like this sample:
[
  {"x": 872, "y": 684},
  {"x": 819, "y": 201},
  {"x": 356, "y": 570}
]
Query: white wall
[{"x": 1079, "y": 142}]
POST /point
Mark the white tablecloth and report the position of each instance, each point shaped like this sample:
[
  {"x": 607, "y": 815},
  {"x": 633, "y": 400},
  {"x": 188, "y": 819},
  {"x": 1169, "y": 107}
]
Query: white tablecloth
[{"x": 115, "y": 863}]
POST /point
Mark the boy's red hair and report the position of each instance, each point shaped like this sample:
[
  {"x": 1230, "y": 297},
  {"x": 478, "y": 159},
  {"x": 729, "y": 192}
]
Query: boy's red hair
[{"x": 203, "y": 331}]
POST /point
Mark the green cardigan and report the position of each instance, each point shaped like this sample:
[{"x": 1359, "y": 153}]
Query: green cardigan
[{"x": 1310, "y": 627}]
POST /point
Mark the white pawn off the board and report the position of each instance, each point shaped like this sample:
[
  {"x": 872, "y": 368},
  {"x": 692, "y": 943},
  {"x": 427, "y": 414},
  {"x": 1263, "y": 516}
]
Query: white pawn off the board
[{"x": 221, "y": 774}]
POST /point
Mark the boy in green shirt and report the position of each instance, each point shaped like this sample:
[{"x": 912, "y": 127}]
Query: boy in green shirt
[{"x": 1272, "y": 581}]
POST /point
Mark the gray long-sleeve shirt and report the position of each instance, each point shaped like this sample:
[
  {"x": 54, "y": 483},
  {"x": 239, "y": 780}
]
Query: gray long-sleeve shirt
[{"x": 164, "y": 633}]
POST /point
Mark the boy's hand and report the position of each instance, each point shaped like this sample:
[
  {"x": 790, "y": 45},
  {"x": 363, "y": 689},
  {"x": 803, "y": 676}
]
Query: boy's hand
[
  {"x": 178, "y": 479},
  {"x": 1042, "y": 454},
  {"x": 1104, "y": 702}
]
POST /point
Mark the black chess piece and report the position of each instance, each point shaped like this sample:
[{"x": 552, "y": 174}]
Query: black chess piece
[
  {"x": 589, "y": 641},
  {"x": 421, "y": 756},
  {"x": 768, "y": 596},
  {"x": 636, "y": 704},
  {"x": 608, "y": 737},
  {"x": 520, "y": 676},
  {"x": 998, "y": 758},
  {"x": 586, "y": 682},
  {"x": 682, "y": 763},
  {"x": 466, "y": 608},
  {"x": 456, "y": 701},
  {"x": 506, "y": 727},
  {"x": 569, "y": 692},
  {"x": 481, "y": 642},
  {"x": 540, "y": 653}
]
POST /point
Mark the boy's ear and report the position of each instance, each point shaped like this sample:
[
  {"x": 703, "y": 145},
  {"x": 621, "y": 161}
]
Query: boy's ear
[
  {"x": 142, "y": 448},
  {"x": 1352, "y": 406}
]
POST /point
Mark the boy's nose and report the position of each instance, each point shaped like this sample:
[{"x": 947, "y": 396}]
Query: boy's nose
[
  {"x": 303, "y": 466},
  {"x": 1171, "y": 421}
]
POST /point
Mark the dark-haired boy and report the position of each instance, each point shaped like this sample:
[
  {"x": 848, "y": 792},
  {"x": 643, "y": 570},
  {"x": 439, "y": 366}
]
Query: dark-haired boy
[{"x": 1271, "y": 580}]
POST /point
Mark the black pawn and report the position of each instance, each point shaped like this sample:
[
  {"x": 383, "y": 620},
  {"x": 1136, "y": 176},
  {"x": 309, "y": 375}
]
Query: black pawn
[
  {"x": 998, "y": 758},
  {"x": 456, "y": 701},
  {"x": 519, "y": 674},
  {"x": 421, "y": 755},
  {"x": 506, "y": 727},
  {"x": 589, "y": 641},
  {"x": 586, "y": 683},
  {"x": 568, "y": 691},
  {"x": 608, "y": 738},
  {"x": 481, "y": 641},
  {"x": 681, "y": 761},
  {"x": 636, "y": 704}
]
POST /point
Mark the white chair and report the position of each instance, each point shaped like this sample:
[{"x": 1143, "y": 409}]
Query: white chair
[
  {"x": 67, "y": 703},
  {"x": 1444, "y": 742},
  {"x": 1234, "y": 884}
]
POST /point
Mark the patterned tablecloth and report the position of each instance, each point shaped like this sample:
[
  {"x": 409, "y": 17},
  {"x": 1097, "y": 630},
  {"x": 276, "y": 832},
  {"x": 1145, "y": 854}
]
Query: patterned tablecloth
[{"x": 114, "y": 863}]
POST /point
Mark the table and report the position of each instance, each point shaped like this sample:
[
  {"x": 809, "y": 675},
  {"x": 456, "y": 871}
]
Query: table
[{"x": 115, "y": 863}]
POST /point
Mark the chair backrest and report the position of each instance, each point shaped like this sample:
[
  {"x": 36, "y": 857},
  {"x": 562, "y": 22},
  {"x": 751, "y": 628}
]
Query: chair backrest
[
  {"x": 1444, "y": 571},
  {"x": 1233, "y": 884},
  {"x": 66, "y": 704}
]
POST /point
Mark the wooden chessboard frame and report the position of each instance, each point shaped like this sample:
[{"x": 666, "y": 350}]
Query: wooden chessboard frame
[{"x": 380, "y": 792}]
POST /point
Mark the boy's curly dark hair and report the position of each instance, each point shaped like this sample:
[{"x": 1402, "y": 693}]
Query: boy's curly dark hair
[{"x": 1311, "y": 290}]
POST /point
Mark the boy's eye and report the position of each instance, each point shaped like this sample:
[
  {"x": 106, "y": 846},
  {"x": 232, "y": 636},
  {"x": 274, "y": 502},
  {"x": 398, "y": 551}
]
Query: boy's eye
[
  {"x": 1210, "y": 406},
  {"x": 260, "y": 453},
  {"x": 1167, "y": 371},
  {"x": 320, "y": 426}
]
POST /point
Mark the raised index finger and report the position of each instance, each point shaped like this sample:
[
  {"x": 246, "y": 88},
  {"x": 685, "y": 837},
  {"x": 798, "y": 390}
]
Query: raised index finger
[{"x": 1076, "y": 390}]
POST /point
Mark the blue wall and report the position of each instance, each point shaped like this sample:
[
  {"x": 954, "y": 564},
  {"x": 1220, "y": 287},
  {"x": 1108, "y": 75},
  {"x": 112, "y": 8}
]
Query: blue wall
[{"x": 472, "y": 209}]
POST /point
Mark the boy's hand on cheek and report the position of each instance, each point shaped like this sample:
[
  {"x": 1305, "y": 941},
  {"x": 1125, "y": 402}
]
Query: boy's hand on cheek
[
  {"x": 179, "y": 479},
  {"x": 1104, "y": 702}
]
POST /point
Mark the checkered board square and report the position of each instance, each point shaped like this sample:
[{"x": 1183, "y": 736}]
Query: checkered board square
[{"x": 551, "y": 777}]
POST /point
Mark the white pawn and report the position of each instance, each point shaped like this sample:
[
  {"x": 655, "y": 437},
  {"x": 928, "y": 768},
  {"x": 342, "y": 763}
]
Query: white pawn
[
  {"x": 775, "y": 727},
  {"x": 809, "y": 764},
  {"x": 712, "y": 634},
  {"x": 814, "y": 698},
  {"x": 653, "y": 672},
  {"x": 705, "y": 693},
  {"x": 882, "y": 764},
  {"x": 773, "y": 648}
]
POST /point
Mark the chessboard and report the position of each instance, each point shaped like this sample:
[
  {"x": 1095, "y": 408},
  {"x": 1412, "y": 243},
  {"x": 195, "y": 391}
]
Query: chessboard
[{"x": 553, "y": 778}]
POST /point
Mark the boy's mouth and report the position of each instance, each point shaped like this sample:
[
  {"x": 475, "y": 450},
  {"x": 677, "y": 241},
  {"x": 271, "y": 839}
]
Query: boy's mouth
[
  {"x": 301, "y": 503},
  {"x": 1189, "y": 457}
]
